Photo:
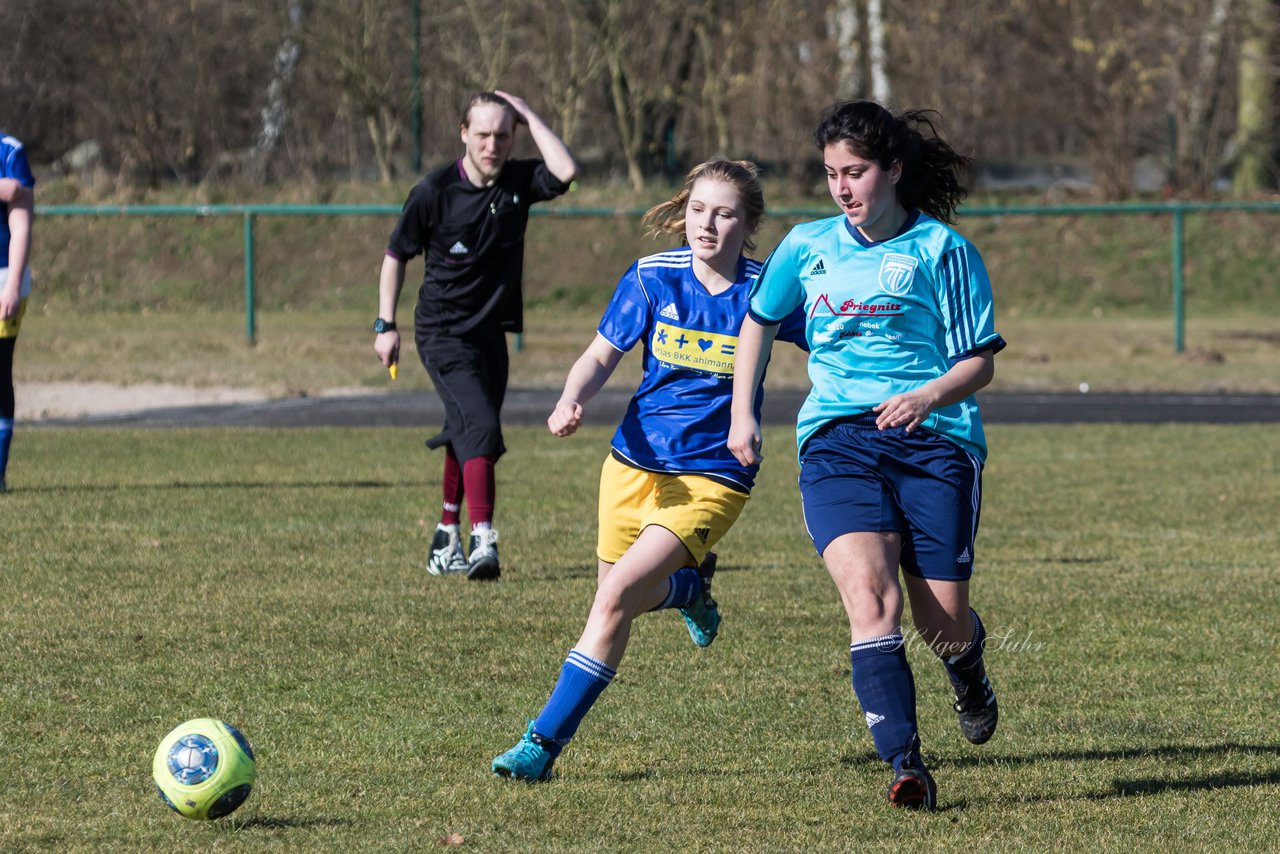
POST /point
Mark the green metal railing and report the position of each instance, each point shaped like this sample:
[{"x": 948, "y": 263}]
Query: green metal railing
[{"x": 1178, "y": 211}]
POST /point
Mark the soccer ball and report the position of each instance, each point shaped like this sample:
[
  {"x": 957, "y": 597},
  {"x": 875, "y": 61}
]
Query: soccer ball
[{"x": 204, "y": 769}]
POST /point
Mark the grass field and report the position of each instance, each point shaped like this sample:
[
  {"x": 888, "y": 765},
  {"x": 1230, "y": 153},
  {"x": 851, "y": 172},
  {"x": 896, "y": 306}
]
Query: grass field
[{"x": 274, "y": 578}]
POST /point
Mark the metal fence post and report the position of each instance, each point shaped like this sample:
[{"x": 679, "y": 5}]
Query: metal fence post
[
  {"x": 1179, "y": 292},
  {"x": 249, "y": 300}
]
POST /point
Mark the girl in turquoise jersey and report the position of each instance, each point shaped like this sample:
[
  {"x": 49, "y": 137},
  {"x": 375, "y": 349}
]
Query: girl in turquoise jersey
[{"x": 900, "y": 325}]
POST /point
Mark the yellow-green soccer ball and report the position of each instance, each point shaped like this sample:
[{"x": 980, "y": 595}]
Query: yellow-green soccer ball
[{"x": 204, "y": 769}]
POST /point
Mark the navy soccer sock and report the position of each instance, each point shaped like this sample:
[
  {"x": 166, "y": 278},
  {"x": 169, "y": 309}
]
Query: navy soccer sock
[
  {"x": 886, "y": 691},
  {"x": 684, "y": 588},
  {"x": 965, "y": 667},
  {"x": 582, "y": 680},
  {"x": 6, "y": 436}
]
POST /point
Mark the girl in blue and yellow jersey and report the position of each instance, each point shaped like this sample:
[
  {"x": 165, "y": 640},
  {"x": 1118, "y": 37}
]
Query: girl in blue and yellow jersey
[
  {"x": 17, "y": 202},
  {"x": 900, "y": 326},
  {"x": 670, "y": 488}
]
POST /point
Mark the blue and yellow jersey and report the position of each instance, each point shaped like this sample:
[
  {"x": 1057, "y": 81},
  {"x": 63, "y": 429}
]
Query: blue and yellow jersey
[
  {"x": 678, "y": 420},
  {"x": 882, "y": 317},
  {"x": 13, "y": 164}
]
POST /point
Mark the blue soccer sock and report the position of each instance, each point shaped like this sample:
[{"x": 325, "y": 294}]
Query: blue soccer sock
[
  {"x": 684, "y": 588},
  {"x": 6, "y": 437},
  {"x": 886, "y": 691},
  {"x": 582, "y": 680},
  {"x": 965, "y": 667}
]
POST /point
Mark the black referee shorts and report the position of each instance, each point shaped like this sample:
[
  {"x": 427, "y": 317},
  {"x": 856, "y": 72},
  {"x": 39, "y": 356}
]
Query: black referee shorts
[{"x": 470, "y": 375}]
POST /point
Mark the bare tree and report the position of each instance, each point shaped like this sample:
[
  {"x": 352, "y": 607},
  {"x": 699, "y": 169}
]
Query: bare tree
[
  {"x": 362, "y": 48},
  {"x": 644, "y": 85},
  {"x": 275, "y": 113},
  {"x": 847, "y": 33},
  {"x": 1256, "y": 166},
  {"x": 571, "y": 61}
]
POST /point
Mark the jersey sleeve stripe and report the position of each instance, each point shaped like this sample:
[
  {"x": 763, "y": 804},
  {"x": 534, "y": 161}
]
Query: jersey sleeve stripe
[{"x": 955, "y": 267}]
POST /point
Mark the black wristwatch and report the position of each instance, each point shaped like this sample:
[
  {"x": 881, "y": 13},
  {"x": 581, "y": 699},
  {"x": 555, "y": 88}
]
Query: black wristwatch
[{"x": 380, "y": 326}]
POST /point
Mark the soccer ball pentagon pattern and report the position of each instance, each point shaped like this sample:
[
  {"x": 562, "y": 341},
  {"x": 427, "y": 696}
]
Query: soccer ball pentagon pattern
[{"x": 204, "y": 769}]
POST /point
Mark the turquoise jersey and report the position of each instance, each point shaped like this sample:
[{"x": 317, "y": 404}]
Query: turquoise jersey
[
  {"x": 678, "y": 420},
  {"x": 883, "y": 317}
]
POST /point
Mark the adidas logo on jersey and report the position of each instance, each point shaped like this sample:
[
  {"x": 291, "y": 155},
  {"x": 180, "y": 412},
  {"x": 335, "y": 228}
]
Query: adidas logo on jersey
[
  {"x": 669, "y": 311},
  {"x": 459, "y": 248},
  {"x": 702, "y": 534},
  {"x": 965, "y": 557},
  {"x": 818, "y": 269},
  {"x": 873, "y": 719}
]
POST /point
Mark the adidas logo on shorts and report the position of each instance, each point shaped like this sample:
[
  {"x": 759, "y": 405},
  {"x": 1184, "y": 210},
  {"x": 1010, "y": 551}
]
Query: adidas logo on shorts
[
  {"x": 873, "y": 719},
  {"x": 458, "y": 248},
  {"x": 702, "y": 534}
]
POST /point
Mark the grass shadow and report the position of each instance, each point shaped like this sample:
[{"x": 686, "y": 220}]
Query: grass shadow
[
  {"x": 276, "y": 822},
  {"x": 1163, "y": 752},
  {"x": 1121, "y": 787}
]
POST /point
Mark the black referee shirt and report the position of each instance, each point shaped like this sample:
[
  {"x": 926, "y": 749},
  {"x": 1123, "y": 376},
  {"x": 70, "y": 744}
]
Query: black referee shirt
[{"x": 473, "y": 239}]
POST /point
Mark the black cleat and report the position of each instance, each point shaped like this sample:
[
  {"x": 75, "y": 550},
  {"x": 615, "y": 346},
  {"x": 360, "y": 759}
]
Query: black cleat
[
  {"x": 913, "y": 788},
  {"x": 483, "y": 564},
  {"x": 976, "y": 707}
]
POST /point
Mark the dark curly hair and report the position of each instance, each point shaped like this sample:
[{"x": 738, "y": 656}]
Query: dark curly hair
[{"x": 931, "y": 168}]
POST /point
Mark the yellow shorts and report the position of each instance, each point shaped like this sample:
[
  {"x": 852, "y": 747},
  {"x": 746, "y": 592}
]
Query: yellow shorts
[
  {"x": 9, "y": 328},
  {"x": 696, "y": 509}
]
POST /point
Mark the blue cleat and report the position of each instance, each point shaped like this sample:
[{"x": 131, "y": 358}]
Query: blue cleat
[
  {"x": 530, "y": 760},
  {"x": 703, "y": 617}
]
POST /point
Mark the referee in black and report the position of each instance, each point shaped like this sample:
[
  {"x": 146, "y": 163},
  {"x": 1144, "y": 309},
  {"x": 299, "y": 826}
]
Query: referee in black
[{"x": 468, "y": 218}]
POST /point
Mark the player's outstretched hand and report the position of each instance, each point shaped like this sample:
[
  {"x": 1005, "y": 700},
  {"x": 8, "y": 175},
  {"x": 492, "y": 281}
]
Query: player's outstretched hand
[
  {"x": 565, "y": 418},
  {"x": 744, "y": 441}
]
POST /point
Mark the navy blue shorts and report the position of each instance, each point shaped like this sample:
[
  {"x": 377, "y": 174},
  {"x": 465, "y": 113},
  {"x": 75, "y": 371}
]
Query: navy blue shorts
[{"x": 855, "y": 478}]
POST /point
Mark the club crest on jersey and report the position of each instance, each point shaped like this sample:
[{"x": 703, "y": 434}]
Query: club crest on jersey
[{"x": 896, "y": 272}]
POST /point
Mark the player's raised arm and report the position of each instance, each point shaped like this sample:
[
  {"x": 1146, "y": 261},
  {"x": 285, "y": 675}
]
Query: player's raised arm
[
  {"x": 555, "y": 153},
  {"x": 587, "y": 376}
]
